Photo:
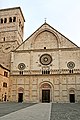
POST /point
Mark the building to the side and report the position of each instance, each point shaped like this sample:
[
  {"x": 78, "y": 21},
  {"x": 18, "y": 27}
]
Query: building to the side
[
  {"x": 11, "y": 32},
  {"x": 43, "y": 68},
  {"x": 4, "y": 84}
]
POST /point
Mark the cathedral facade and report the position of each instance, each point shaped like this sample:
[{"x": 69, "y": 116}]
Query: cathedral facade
[{"x": 43, "y": 68}]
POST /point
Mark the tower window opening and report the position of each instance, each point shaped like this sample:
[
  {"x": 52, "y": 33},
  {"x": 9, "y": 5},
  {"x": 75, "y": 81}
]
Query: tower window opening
[
  {"x": 4, "y": 85},
  {"x": 5, "y": 20},
  {"x": 1, "y": 20},
  {"x": 5, "y": 74},
  {"x": 10, "y": 19},
  {"x": 14, "y": 19}
]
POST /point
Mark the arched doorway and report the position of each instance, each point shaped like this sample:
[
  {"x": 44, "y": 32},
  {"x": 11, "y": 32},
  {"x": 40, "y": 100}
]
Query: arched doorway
[
  {"x": 20, "y": 94},
  {"x": 72, "y": 96},
  {"x": 45, "y": 92}
]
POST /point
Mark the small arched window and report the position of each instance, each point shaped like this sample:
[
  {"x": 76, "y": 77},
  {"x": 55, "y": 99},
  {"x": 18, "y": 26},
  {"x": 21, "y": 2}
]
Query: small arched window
[
  {"x": 10, "y": 19},
  {"x": 14, "y": 19},
  {"x": 5, "y": 20},
  {"x": 1, "y": 20}
]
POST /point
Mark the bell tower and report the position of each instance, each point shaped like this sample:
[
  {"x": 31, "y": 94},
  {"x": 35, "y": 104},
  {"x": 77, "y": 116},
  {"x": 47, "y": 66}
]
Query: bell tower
[{"x": 11, "y": 32}]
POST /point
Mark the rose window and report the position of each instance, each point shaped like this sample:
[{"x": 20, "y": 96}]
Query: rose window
[
  {"x": 45, "y": 59},
  {"x": 70, "y": 65},
  {"x": 21, "y": 66}
]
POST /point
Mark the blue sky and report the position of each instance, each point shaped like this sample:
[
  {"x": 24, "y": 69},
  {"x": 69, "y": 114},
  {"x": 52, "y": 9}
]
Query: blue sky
[{"x": 63, "y": 15}]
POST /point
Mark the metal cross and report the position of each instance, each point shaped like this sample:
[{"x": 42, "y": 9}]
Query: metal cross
[{"x": 45, "y": 19}]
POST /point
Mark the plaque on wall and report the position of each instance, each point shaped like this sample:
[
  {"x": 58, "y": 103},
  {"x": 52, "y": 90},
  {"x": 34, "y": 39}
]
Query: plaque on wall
[{"x": 45, "y": 59}]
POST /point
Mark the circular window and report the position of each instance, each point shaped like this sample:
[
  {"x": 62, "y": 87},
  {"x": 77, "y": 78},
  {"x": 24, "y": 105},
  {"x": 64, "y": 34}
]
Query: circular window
[
  {"x": 21, "y": 66},
  {"x": 45, "y": 59},
  {"x": 71, "y": 65}
]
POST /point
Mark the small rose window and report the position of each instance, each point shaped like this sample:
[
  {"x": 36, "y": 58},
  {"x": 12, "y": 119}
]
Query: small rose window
[
  {"x": 70, "y": 65},
  {"x": 21, "y": 66}
]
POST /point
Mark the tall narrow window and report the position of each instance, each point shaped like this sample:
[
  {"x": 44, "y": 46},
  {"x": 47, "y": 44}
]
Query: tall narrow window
[
  {"x": 21, "y": 72},
  {"x": 4, "y": 38},
  {"x": 14, "y": 19},
  {"x": 48, "y": 72},
  {"x": 10, "y": 19},
  {"x": 44, "y": 72},
  {"x": 70, "y": 71},
  {"x": 1, "y": 20},
  {"x": 5, "y": 20}
]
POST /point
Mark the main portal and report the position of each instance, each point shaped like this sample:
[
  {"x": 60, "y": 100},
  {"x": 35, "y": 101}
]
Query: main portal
[{"x": 46, "y": 96}]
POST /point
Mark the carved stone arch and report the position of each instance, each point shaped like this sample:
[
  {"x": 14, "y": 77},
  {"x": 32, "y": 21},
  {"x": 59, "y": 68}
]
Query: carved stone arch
[
  {"x": 20, "y": 90},
  {"x": 47, "y": 36},
  {"x": 46, "y": 29},
  {"x": 72, "y": 90},
  {"x": 46, "y": 82},
  {"x": 45, "y": 86}
]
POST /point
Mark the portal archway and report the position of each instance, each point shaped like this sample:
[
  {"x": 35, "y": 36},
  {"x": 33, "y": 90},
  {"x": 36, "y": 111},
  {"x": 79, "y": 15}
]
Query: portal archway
[
  {"x": 20, "y": 94},
  {"x": 72, "y": 96},
  {"x": 45, "y": 93}
]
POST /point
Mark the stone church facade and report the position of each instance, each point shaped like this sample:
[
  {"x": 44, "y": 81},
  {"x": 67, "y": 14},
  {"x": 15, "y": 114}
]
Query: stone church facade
[{"x": 43, "y": 68}]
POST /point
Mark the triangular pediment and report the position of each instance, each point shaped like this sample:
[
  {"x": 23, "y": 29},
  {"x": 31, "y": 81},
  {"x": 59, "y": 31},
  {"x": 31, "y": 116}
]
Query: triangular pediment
[{"x": 46, "y": 37}]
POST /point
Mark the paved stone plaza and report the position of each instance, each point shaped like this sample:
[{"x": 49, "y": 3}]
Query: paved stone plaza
[
  {"x": 41, "y": 111},
  {"x": 9, "y": 107},
  {"x": 66, "y": 111}
]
